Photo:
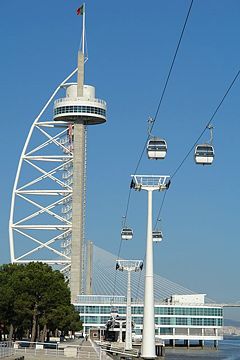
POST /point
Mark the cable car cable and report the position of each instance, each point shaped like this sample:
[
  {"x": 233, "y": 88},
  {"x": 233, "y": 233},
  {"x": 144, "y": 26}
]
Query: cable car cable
[
  {"x": 160, "y": 209},
  {"x": 158, "y": 108},
  {"x": 193, "y": 146},
  {"x": 157, "y": 111},
  {"x": 166, "y": 83},
  {"x": 161, "y": 98},
  {"x": 207, "y": 125}
]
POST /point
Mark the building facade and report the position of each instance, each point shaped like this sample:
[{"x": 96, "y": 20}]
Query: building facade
[{"x": 178, "y": 319}]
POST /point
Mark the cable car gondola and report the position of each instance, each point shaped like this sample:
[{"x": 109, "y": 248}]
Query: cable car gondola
[
  {"x": 126, "y": 234},
  {"x": 156, "y": 148},
  {"x": 157, "y": 236},
  {"x": 204, "y": 153}
]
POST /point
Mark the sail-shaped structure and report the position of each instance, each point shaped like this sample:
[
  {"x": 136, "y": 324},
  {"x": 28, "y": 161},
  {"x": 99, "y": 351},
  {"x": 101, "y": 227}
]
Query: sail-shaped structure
[
  {"x": 47, "y": 217},
  {"x": 40, "y": 224}
]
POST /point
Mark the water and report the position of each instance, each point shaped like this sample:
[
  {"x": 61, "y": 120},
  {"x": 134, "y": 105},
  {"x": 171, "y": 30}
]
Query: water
[{"x": 228, "y": 350}]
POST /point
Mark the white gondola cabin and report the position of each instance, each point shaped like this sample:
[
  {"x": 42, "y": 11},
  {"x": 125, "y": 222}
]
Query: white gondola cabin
[
  {"x": 126, "y": 234},
  {"x": 156, "y": 148},
  {"x": 157, "y": 236},
  {"x": 204, "y": 154}
]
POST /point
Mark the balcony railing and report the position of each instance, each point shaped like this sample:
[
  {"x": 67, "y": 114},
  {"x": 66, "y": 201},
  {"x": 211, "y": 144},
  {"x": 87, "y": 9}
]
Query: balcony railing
[{"x": 77, "y": 99}]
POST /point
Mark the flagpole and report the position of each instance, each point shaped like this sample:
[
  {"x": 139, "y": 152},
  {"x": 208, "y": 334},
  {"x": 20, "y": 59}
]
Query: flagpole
[{"x": 83, "y": 30}]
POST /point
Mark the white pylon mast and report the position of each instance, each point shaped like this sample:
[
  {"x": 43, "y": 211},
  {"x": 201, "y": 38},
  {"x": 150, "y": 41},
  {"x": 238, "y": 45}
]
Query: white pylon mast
[
  {"x": 129, "y": 266},
  {"x": 149, "y": 183}
]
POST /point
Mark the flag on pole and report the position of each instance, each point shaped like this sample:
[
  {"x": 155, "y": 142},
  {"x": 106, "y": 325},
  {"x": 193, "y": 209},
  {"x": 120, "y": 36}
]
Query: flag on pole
[{"x": 80, "y": 10}]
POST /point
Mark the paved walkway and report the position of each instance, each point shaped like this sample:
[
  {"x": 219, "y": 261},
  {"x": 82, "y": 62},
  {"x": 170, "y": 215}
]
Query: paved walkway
[{"x": 75, "y": 349}]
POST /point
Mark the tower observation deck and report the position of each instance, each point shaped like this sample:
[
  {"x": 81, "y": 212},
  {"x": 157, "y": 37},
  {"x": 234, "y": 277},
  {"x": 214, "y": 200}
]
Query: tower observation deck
[
  {"x": 72, "y": 108},
  {"x": 53, "y": 166}
]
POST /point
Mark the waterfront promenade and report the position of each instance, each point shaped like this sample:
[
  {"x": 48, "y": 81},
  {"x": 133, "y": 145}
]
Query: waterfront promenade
[{"x": 75, "y": 349}]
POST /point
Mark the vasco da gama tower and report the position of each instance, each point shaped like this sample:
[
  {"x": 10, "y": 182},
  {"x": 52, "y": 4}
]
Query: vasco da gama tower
[{"x": 47, "y": 214}]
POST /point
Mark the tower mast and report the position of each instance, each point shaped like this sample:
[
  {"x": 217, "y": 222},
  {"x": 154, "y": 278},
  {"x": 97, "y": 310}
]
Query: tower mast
[
  {"x": 81, "y": 109},
  {"x": 78, "y": 192}
]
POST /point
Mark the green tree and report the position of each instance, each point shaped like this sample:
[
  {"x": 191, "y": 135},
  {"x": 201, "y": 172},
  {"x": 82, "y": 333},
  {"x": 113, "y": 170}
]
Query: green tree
[{"x": 36, "y": 296}]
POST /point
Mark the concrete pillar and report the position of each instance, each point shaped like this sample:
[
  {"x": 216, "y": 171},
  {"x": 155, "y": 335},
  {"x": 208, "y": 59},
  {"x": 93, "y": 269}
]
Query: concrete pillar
[
  {"x": 216, "y": 341},
  {"x": 80, "y": 74},
  {"x": 120, "y": 339},
  {"x": 188, "y": 341},
  {"x": 201, "y": 343},
  {"x": 89, "y": 268},
  {"x": 172, "y": 342},
  {"x": 78, "y": 193}
]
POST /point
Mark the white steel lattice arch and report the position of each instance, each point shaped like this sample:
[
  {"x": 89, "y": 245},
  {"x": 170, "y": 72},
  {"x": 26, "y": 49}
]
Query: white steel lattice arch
[{"x": 40, "y": 223}]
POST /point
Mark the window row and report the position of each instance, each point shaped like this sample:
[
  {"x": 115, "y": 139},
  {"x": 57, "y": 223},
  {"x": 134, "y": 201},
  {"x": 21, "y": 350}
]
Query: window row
[
  {"x": 188, "y": 321},
  {"x": 188, "y": 311},
  {"x": 91, "y": 309},
  {"x": 94, "y": 319},
  {"x": 79, "y": 109},
  {"x": 138, "y": 320}
]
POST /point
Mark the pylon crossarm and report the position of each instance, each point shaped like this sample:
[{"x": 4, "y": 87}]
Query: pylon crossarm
[
  {"x": 129, "y": 265},
  {"x": 150, "y": 182}
]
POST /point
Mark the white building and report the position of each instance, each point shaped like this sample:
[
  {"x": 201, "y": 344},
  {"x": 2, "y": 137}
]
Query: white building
[{"x": 181, "y": 316}]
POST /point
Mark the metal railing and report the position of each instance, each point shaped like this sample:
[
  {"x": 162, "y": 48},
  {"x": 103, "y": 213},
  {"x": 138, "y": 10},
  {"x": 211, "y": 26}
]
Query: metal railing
[
  {"x": 77, "y": 99},
  {"x": 6, "y": 349},
  {"x": 84, "y": 350},
  {"x": 100, "y": 299}
]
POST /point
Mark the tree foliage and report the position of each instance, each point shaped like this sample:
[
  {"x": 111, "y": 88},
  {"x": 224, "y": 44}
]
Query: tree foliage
[{"x": 35, "y": 299}]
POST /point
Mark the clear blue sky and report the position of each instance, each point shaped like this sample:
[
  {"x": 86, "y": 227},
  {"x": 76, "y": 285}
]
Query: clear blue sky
[{"x": 131, "y": 45}]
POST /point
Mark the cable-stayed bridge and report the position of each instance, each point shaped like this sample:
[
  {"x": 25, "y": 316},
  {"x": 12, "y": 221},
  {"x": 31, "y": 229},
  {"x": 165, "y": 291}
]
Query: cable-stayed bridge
[{"x": 106, "y": 281}]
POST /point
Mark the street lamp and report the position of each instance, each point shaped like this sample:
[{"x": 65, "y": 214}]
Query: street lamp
[
  {"x": 129, "y": 266},
  {"x": 149, "y": 183}
]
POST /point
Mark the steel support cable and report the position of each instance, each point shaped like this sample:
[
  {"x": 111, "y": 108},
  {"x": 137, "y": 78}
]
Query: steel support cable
[
  {"x": 208, "y": 123},
  {"x": 120, "y": 245},
  {"x": 157, "y": 111},
  {"x": 199, "y": 137},
  {"x": 161, "y": 99},
  {"x": 160, "y": 209},
  {"x": 166, "y": 83}
]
